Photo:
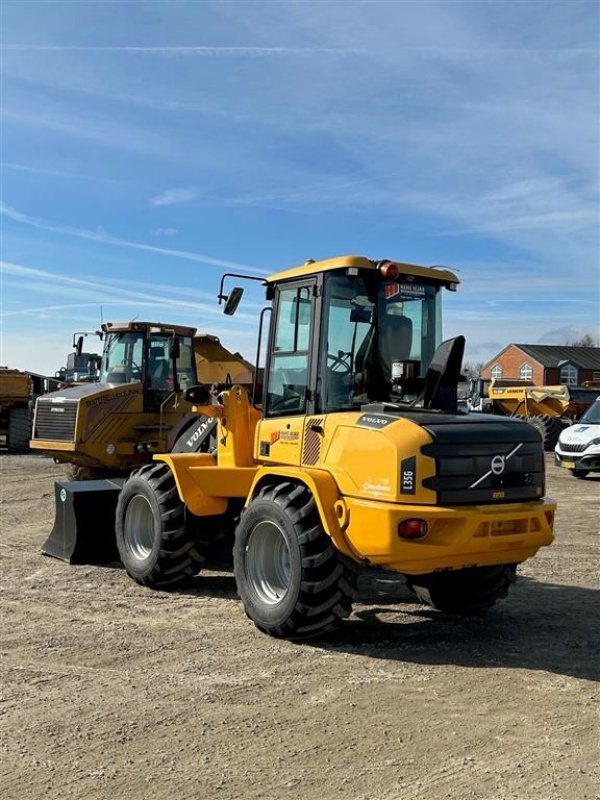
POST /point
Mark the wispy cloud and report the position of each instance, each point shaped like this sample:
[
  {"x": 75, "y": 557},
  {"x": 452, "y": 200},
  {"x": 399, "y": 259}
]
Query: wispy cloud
[
  {"x": 104, "y": 238},
  {"x": 165, "y": 232},
  {"x": 173, "y": 196},
  {"x": 89, "y": 293},
  {"x": 198, "y": 50},
  {"x": 57, "y": 173}
]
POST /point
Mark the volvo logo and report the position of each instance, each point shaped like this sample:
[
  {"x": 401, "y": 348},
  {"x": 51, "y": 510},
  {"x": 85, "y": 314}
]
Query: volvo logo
[{"x": 497, "y": 464}]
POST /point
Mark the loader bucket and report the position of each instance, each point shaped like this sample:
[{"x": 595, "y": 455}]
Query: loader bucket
[{"x": 84, "y": 523}]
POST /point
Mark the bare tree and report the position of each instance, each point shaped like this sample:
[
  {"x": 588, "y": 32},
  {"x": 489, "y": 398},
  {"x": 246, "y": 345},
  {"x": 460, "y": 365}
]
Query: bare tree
[
  {"x": 587, "y": 340},
  {"x": 472, "y": 369}
]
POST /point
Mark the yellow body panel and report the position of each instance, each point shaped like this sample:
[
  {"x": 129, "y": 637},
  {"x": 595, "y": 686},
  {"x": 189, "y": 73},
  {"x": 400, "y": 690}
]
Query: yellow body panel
[
  {"x": 364, "y": 462},
  {"x": 354, "y": 471},
  {"x": 462, "y": 536},
  {"x": 205, "y": 487},
  {"x": 110, "y": 424}
]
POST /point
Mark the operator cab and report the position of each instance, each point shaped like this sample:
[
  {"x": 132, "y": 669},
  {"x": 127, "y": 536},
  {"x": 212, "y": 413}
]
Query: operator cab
[
  {"x": 160, "y": 358},
  {"x": 346, "y": 337}
]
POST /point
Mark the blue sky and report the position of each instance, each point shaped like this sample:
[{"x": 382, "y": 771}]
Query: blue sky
[{"x": 148, "y": 146}]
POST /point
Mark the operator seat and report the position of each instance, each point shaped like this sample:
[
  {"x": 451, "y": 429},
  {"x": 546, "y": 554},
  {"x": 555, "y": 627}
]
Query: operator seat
[{"x": 158, "y": 368}]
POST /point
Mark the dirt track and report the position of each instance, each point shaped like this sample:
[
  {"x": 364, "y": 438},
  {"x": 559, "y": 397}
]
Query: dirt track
[{"x": 113, "y": 691}]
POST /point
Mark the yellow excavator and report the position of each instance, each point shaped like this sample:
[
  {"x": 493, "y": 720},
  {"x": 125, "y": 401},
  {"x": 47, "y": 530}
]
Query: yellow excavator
[{"x": 355, "y": 456}]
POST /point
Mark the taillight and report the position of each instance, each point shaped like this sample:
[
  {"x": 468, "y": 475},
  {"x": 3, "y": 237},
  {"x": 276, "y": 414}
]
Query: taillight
[{"x": 412, "y": 529}]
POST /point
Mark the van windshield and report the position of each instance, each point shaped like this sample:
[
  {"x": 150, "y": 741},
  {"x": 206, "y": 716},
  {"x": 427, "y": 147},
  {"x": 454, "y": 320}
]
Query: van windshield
[{"x": 592, "y": 415}]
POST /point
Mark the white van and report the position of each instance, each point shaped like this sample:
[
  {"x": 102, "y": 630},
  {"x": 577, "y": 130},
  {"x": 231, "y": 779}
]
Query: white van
[{"x": 578, "y": 448}]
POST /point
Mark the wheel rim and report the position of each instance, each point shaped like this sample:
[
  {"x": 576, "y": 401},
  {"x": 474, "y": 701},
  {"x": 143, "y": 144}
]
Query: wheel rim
[
  {"x": 268, "y": 562},
  {"x": 139, "y": 527}
]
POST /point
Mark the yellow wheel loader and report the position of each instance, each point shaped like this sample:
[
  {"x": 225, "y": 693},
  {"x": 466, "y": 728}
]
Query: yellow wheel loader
[{"x": 355, "y": 457}]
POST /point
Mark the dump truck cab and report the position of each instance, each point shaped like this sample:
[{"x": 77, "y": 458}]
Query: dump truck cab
[{"x": 116, "y": 422}]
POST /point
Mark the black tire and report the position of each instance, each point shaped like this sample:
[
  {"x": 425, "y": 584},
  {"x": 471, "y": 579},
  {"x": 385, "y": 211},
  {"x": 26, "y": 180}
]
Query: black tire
[
  {"x": 579, "y": 473},
  {"x": 19, "y": 430},
  {"x": 292, "y": 580},
  {"x": 464, "y": 591},
  {"x": 549, "y": 429},
  {"x": 157, "y": 548}
]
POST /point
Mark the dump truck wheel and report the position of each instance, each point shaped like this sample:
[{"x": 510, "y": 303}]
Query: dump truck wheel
[
  {"x": 19, "y": 430},
  {"x": 464, "y": 591},
  {"x": 156, "y": 546},
  {"x": 292, "y": 580},
  {"x": 549, "y": 429}
]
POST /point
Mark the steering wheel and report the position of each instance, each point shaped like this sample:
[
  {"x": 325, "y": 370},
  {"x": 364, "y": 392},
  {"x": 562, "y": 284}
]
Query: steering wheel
[
  {"x": 135, "y": 370},
  {"x": 341, "y": 363},
  {"x": 289, "y": 403}
]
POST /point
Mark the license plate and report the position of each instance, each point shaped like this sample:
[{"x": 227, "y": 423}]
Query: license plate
[{"x": 568, "y": 464}]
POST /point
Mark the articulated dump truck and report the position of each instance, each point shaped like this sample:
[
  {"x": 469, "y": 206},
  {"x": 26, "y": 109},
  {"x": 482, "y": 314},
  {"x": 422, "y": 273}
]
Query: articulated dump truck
[
  {"x": 354, "y": 456},
  {"x": 137, "y": 406},
  {"x": 550, "y": 409}
]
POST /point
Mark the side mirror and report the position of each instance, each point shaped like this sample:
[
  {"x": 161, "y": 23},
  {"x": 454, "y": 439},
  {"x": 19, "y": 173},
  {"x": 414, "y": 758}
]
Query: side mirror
[
  {"x": 198, "y": 395},
  {"x": 175, "y": 348},
  {"x": 233, "y": 300},
  {"x": 79, "y": 346}
]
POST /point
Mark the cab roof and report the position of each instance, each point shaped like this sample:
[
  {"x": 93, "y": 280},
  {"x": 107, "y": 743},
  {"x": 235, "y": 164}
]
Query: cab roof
[
  {"x": 148, "y": 327},
  {"x": 441, "y": 275}
]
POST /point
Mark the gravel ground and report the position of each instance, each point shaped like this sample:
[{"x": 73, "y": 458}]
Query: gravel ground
[{"x": 113, "y": 691}]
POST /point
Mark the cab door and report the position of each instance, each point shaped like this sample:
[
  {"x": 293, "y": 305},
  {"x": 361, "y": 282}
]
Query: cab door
[{"x": 288, "y": 394}]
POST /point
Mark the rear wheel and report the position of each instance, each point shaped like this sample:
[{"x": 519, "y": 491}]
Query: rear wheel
[
  {"x": 292, "y": 580},
  {"x": 464, "y": 591},
  {"x": 19, "y": 430},
  {"x": 156, "y": 546}
]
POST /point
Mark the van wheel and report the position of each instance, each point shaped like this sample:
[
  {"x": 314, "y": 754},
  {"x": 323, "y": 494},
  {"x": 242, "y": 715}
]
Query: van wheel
[
  {"x": 579, "y": 473},
  {"x": 156, "y": 546},
  {"x": 292, "y": 580},
  {"x": 464, "y": 591}
]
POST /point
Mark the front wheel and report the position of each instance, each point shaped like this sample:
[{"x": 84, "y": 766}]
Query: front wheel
[
  {"x": 292, "y": 580},
  {"x": 156, "y": 546},
  {"x": 464, "y": 591}
]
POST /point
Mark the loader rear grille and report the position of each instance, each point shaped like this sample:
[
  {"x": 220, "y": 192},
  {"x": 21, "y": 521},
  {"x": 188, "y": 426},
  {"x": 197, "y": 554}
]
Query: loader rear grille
[
  {"x": 486, "y": 472},
  {"x": 55, "y": 421}
]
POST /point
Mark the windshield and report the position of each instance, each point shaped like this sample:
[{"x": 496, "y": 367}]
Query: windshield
[
  {"x": 122, "y": 359},
  {"x": 380, "y": 336},
  {"x": 592, "y": 415}
]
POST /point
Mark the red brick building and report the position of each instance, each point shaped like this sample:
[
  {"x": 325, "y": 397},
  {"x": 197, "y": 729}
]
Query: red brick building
[{"x": 545, "y": 364}]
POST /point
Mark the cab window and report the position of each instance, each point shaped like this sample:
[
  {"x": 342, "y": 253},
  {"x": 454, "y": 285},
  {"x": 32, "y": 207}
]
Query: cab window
[{"x": 288, "y": 370}]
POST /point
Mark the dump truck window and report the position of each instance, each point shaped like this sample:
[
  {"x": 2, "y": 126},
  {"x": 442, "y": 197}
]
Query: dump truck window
[
  {"x": 123, "y": 357},
  {"x": 288, "y": 371}
]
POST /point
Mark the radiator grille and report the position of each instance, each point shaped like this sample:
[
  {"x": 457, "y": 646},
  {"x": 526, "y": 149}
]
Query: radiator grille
[
  {"x": 464, "y": 472},
  {"x": 55, "y": 421},
  {"x": 572, "y": 448}
]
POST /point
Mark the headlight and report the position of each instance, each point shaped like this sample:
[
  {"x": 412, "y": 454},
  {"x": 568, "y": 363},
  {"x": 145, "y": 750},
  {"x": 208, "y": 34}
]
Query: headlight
[{"x": 593, "y": 442}]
